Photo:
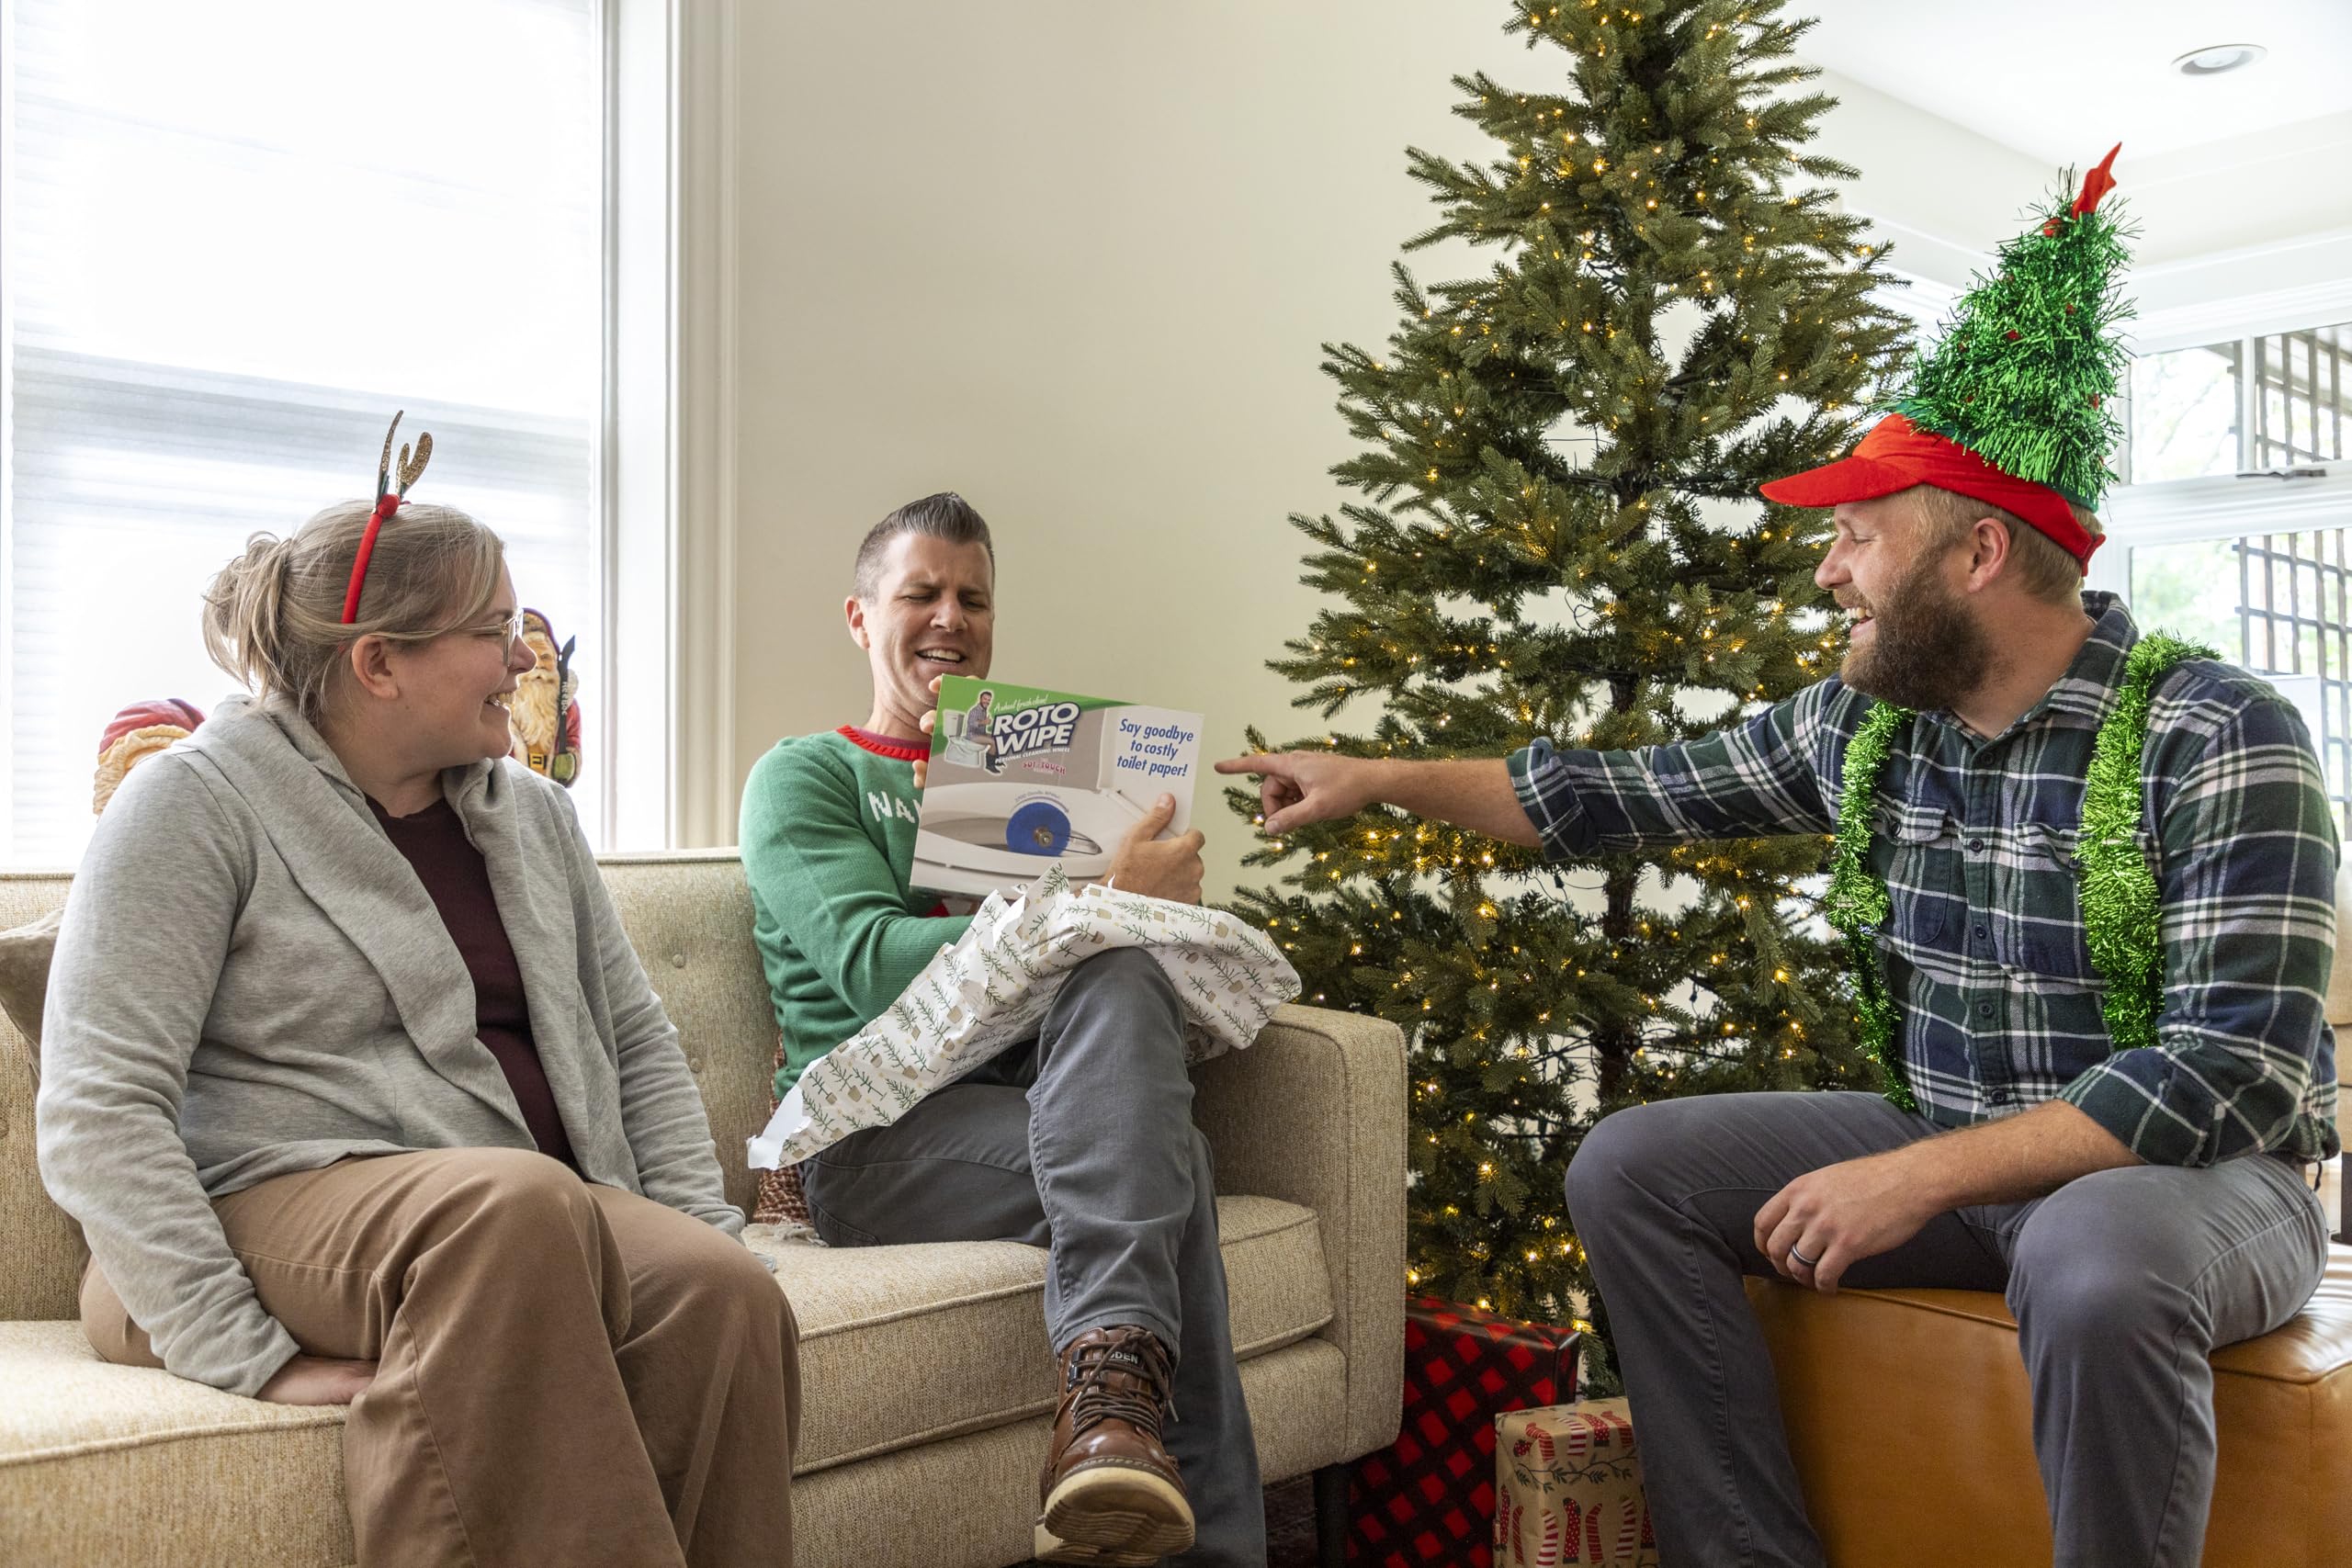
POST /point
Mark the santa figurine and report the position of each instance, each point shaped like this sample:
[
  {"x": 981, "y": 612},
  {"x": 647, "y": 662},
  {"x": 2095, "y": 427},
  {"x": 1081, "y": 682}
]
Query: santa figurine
[
  {"x": 137, "y": 733},
  {"x": 544, "y": 712}
]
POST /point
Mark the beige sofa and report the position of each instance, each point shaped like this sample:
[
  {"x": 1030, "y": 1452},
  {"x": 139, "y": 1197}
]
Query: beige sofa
[{"x": 927, "y": 1378}]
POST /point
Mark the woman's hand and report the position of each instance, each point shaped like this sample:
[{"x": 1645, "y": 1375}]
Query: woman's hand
[{"x": 318, "y": 1380}]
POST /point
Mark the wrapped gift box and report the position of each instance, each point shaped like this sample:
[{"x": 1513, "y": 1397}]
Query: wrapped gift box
[
  {"x": 1430, "y": 1499},
  {"x": 1568, "y": 1489}
]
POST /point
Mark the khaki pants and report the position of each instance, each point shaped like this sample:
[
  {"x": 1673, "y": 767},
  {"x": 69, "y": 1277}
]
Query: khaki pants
[{"x": 565, "y": 1373}]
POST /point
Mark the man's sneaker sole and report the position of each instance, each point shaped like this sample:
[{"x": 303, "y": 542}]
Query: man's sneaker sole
[{"x": 1122, "y": 1514}]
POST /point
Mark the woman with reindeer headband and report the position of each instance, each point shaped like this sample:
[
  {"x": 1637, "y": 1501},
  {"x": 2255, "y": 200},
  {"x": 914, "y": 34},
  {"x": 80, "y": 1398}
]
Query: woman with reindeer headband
[{"x": 360, "y": 1096}]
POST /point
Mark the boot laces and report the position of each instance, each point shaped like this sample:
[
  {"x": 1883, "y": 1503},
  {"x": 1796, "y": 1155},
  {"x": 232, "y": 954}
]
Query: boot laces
[{"x": 1096, "y": 1400}]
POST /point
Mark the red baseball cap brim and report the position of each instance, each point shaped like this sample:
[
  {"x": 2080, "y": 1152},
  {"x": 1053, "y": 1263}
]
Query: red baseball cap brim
[{"x": 1897, "y": 454}]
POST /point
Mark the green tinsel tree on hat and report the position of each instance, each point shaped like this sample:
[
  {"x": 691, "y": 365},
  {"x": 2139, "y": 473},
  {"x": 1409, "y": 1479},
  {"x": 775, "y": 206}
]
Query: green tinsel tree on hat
[{"x": 2029, "y": 362}]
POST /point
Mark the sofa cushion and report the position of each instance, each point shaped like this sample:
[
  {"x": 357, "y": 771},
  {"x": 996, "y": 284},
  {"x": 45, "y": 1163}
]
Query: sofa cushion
[
  {"x": 688, "y": 914},
  {"x": 24, "y": 952},
  {"x": 899, "y": 1345},
  {"x": 905, "y": 1345},
  {"x": 101, "y": 1463},
  {"x": 858, "y": 1513},
  {"x": 43, "y": 1273},
  {"x": 261, "y": 1487}
]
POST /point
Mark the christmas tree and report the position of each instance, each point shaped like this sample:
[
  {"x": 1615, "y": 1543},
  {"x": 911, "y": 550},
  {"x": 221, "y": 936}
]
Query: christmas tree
[{"x": 1559, "y": 536}]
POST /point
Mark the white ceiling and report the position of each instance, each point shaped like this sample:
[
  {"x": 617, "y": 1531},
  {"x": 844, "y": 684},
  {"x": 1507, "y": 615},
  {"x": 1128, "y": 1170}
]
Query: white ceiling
[{"x": 2065, "y": 80}]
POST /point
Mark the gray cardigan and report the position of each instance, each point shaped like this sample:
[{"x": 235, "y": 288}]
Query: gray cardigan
[{"x": 252, "y": 981}]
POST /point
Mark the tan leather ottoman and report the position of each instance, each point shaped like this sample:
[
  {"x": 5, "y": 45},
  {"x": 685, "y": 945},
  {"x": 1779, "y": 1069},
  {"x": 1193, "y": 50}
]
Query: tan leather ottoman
[{"x": 1908, "y": 1415}]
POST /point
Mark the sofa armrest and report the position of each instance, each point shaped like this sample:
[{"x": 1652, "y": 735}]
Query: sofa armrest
[{"x": 1314, "y": 1114}]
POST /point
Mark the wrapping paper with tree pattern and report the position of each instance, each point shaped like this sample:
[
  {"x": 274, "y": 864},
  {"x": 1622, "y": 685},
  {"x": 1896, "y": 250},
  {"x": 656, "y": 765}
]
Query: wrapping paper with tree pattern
[{"x": 992, "y": 987}]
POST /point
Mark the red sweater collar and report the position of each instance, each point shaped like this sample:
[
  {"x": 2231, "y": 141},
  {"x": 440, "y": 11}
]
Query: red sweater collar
[{"x": 888, "y": 746}]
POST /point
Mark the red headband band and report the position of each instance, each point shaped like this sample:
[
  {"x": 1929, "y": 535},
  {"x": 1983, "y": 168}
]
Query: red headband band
[
  {"x": 387, "y": 501},
  {"x": 386, "y": 504},
  {"x": 1897, "y": 454}
]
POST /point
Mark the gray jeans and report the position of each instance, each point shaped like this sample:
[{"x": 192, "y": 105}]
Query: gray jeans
[
  {"x": 2121, "y": 1282},
  {"x": 1083, "y": 1142}
]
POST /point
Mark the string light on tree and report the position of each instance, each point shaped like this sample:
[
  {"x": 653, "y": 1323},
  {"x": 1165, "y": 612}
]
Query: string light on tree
[{"x": 1552, "y": 534}]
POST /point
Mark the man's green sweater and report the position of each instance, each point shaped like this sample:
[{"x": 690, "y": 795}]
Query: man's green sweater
[{"x": 829, "y": 840}]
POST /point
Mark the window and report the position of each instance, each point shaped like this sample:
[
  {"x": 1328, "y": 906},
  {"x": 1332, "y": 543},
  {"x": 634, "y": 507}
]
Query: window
[
  {"x": 234, "y": 239},
  {"x": 2274, "y": 402},
  {"x": 2233, "y": 529}
]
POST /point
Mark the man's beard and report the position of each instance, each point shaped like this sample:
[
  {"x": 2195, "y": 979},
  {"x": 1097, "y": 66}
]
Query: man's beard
[
  {"x": 532, "y": 709},
  {"x": 1927, "y": 653}
]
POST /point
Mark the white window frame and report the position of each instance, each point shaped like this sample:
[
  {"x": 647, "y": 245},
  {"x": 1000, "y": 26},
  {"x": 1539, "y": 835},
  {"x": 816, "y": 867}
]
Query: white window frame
[
  {"x": 2220, "y": 507},
  {"x": 2309, "y": 498},
  {"x": 7, "y": 445},
  {"x": 663, "y": 681},
  {"x": 667, "y": 670},
  {"x": 2225, "y": 506}
]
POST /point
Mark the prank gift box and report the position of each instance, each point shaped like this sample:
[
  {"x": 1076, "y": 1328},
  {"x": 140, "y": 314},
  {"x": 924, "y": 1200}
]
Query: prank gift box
[{"x": 1021, "y": 778}]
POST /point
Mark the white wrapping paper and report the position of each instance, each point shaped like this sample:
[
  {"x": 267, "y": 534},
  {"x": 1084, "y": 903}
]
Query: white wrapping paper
[{"x": 991, "y": 989}]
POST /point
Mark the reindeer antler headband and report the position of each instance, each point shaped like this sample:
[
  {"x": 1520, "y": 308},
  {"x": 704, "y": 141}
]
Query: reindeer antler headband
[{"x": 387, "y": 501}]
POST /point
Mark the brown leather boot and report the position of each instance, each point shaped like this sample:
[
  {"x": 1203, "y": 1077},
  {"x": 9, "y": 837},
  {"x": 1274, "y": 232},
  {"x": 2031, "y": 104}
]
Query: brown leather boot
[{"x": 1112, "y": 1494}]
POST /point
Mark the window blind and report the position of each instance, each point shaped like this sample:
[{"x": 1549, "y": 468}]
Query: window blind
[{"x": 234, "y": 239}]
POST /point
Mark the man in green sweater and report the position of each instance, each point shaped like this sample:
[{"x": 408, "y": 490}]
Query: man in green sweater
[{"x": 1080, "y": 1141}]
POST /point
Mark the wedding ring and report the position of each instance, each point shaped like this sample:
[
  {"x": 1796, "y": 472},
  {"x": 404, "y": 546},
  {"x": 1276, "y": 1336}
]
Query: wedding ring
[{"x": 1800, "y": 1258}]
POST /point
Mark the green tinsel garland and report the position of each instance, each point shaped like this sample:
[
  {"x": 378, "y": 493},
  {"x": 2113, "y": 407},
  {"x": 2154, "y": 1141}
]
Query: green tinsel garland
[
  {"x": 1857, "y": 903},
  {"x": 2119, "y": 892}
]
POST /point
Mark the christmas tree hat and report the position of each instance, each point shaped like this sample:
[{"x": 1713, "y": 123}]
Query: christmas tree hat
[{"x": 2011, "y": 407}]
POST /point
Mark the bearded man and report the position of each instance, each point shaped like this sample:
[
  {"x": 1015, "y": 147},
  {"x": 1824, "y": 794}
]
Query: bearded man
[
  {"x": 2123, "y": 1152},
  {"x": 544, "y": 709}
]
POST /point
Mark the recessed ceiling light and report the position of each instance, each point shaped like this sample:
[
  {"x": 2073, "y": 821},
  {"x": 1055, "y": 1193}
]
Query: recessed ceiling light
[{"x": 2218, "y": 58}]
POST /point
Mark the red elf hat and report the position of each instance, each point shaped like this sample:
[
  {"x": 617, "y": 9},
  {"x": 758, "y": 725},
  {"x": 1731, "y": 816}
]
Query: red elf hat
[{"x": 2010, "y": 408}]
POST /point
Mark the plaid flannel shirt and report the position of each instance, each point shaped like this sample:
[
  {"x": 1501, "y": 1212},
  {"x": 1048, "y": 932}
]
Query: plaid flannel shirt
[{"x": 1985, "y": 952}]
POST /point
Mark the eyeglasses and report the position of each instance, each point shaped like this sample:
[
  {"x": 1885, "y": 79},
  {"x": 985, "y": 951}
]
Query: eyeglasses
[{"x": 504, "y": 631}]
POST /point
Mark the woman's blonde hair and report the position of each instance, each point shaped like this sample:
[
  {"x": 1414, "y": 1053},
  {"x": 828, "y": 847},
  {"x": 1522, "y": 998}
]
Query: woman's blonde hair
[{"x": 273, "y": 617}]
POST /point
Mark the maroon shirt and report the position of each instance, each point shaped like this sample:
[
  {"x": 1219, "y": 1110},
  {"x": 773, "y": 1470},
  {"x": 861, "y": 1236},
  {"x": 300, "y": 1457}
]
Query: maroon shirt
[{"x": 452, "y": 870}]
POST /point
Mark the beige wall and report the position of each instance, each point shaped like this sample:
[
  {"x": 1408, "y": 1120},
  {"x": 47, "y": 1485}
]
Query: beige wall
[{"x": 1074, "y": 258}]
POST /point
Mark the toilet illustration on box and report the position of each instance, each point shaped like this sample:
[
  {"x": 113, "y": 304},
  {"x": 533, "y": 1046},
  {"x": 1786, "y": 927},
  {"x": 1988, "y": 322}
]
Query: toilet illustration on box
[
  {"x": 1008, "y": 833},
  {"x": 1022, "y": 779}
]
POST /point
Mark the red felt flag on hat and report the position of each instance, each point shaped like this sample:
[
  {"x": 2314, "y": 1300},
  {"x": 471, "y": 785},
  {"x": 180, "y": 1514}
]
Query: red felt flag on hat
[{"x": 2096, "y": 184}]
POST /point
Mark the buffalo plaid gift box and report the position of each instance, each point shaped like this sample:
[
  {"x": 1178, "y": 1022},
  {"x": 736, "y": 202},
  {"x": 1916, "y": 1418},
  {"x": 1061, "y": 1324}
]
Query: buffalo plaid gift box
[
  {"x": 1430, "y": 1499},
  {"x": 1568, "y": 1485}
]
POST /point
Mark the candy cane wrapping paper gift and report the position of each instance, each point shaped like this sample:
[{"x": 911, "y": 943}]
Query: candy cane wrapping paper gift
[
  {"x": 1568, "y": 1489},
  {"x": 992, "y": 987}
]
